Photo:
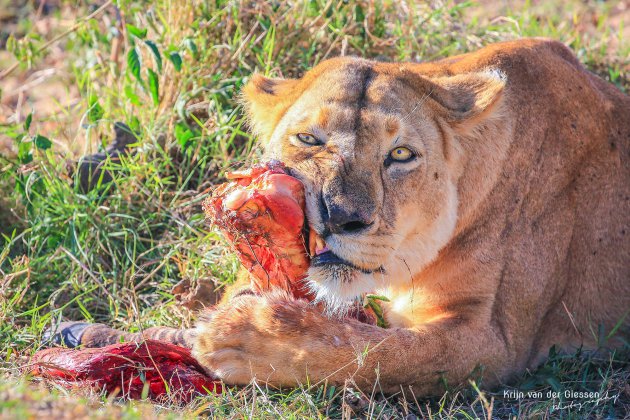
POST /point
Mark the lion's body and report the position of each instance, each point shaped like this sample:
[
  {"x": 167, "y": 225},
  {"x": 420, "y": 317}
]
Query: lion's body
[
  {"x": 540, "y": 251},
  {"x": 544, "y": 259},
  {"x": 507, "y": 232}
]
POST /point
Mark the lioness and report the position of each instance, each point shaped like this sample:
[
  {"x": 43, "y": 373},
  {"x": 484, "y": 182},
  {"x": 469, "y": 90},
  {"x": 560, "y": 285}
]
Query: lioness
[{"x": 487, "y": 195}]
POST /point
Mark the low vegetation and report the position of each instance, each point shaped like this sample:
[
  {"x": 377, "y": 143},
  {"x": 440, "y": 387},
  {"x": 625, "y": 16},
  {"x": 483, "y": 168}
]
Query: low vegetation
[{"x": 171, "y": 71}]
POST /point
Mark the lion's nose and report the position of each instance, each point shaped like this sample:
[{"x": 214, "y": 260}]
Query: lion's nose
[
  {"x": 348, "y": 205},
  {"x": 341, "y": 220}
]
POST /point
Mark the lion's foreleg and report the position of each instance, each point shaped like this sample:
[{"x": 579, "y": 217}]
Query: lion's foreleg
[{"x": 285, "y": 342}]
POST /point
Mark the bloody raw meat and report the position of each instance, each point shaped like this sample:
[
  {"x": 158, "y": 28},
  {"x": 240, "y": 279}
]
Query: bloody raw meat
[
  {"x": 129, "y": 370},
  {"x": 261, "y": 213}
]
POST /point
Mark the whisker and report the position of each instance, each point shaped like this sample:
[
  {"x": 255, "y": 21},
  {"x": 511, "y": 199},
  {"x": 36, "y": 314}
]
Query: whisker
[{"x": 422, "y": 100}]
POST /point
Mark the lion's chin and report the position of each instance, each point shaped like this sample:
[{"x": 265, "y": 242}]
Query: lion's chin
[{"x": 337, "y": 285}]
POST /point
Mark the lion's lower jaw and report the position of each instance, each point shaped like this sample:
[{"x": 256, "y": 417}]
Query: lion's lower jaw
[{"x": 336, "y": 286}]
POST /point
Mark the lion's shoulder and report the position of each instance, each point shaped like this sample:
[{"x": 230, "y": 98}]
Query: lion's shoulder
[{"x": 514, "y": 57}]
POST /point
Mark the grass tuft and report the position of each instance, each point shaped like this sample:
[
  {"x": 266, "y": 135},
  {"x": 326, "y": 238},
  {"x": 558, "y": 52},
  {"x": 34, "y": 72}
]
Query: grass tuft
[{"x": 170, "y": 71}]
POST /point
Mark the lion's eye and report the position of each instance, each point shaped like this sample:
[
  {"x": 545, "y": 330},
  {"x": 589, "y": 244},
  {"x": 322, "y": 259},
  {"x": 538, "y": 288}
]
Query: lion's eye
[
  {"x": 401, "y": 154},
  {"x": 309, "y": 139}
]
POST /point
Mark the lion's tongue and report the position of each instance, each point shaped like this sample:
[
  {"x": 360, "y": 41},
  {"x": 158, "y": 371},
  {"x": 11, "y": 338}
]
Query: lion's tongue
[{"x": 316, "y": 243}]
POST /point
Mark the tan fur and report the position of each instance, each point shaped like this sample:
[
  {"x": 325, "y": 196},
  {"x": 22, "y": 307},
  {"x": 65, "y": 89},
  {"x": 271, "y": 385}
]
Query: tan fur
[{"x": 508, "y": 234}]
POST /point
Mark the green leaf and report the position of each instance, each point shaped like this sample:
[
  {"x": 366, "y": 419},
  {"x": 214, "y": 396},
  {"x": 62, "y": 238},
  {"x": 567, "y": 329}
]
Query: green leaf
[
  {"x": 53, "y": 241},
  {"x": 154, "y": 86},
  {"x": 24, "y": 151},
  {"x": 313, "y": 8},
  {"x": 13, "y": 131},
  {"x": 134, "y": 124},
  {"x": 27, "y": 122},
  {"x": 95, "y": 111},
  {"x": 19, "y": 186},
  {"x": 377, "y": 297},
  {"x": 359, "y": 15},
  {"x": 156, "y": 54},
  {"x": 190, "y": 44},
  {"x": 11, "y": 44},
  {"x": 135, "y": 31},
  {"x": 42, "y": 142},
  {"x": 133, "y": 64},
  {"x": 131, "y": 95},
  {"x": 183, "y": 134},
  {"x": 176, "y": 59}
]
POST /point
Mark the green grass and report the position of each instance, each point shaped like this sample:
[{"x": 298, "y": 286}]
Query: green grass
[{"x": 171, "y": 71}]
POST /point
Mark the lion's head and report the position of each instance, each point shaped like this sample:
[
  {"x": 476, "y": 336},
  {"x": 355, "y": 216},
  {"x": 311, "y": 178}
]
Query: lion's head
[{"x": 380, "y": 149}]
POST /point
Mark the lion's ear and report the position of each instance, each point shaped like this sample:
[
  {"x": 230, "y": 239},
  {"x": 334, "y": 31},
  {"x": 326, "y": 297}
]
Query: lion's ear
[
  {"x": 471, "y": 98},
  {"x": 465, "y": 100},
  {"x": 265, "y": 101}
]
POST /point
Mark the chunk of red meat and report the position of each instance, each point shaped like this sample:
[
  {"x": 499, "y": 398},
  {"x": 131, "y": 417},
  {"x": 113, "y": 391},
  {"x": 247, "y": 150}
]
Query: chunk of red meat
[
  {"x": 156, "y": 369},
  {"x": 261, "y": 213}
]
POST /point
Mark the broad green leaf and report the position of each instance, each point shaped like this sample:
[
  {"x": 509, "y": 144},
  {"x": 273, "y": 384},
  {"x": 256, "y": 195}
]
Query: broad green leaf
[
  {"x": 156, "y": 54},
  {"x": 154, "y": 86},
  {"x": 134, "y": 65},
  {"x": 135, "y": 31},
  {"x": 42, "y": 142},
  {"x": 176, "y": 59}
]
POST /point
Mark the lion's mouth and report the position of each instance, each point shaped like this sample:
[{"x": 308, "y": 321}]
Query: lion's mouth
[{"x": 322, "y": 255}]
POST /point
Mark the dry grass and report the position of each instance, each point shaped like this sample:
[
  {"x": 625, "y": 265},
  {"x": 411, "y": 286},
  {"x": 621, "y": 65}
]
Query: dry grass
[{"x": 114, "y": 257}]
